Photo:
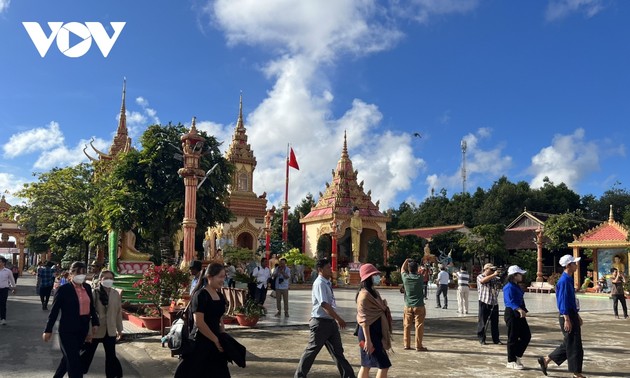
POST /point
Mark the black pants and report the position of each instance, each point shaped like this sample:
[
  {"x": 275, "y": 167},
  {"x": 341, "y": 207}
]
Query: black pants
[
  {"x": 113, "y": 368},
  {"x": 324, "y": 332},
  {"x": 44, "y": 294},
  {"x": 519, "y": 334},
  {"x": 261, "y": 295},
  {"x": 4, "y": 294},
  {"x": 442, "y": 289},
  {"x": 231, "y": 283},
  {"x": 16, "y": 276},
  {"x": 71, "y": 344},
  {"x": 620, "y": 298},
  {"x": 571, "y": 348},
  {"x": 426, "y": 290},
  {"x": 488, "y": 311}
]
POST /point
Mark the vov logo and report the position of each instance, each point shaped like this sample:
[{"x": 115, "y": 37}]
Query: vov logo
[{"x": 61, "y": 33}]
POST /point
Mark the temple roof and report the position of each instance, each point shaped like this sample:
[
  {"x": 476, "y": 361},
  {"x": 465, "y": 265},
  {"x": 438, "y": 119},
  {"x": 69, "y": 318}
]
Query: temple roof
[
  {"x": 240, "y": 151},
  {"x": 607, "y": 234},
  {"x": 344, "y": 193},
  {"x": 429, "y": 232}
]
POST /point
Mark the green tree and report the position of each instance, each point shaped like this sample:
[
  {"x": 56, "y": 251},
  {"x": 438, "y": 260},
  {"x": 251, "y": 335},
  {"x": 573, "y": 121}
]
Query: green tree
[
  {"x": 554, "y": 199},
  {"x": 375, "y": 252},
  {"x": 55, "y": 213},
  {"x": 560, "y": 229},
  {"x": 503, "y": 202},
  {"x": 485, "y": 242}
]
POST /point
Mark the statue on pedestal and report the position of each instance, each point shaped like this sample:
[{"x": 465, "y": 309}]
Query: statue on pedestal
[{"x": 128, "y": 251}]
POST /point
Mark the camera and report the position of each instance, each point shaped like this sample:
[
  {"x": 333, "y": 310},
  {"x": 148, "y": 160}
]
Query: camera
[{"x": 280, "y": 280}]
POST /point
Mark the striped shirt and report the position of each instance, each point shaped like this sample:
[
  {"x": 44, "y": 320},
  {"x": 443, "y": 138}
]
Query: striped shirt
[
  {"x": 488, "y": 292},
  {"x": 463, "y": 278}
]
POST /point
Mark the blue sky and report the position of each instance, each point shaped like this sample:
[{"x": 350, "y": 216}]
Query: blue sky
[{"x": 536, "y": 88}]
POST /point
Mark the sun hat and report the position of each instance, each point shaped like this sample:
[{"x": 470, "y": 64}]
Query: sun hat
[
  {"x": 368, "y": 270},
  {"x": 515, "y": 269},
  {"x": 568, "y": 259}
]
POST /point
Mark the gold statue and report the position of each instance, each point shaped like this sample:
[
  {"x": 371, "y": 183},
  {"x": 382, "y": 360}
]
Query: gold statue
[
  {"x": 619, "y": 264},
  {"x": 128, "y": 251},
  {"x": 356, "y": 227}
]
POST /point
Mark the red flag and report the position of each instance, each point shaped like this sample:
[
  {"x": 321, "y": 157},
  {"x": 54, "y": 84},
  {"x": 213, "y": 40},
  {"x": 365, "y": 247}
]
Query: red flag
[{"x": 293, "y": 161}]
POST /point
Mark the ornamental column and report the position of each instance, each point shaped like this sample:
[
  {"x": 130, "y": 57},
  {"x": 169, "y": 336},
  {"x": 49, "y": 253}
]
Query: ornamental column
[
  {"x": 539, "y": 259},
  {"x": 192, "y": 145},
  {"x": 334, "y": 227},
  {"x": 21, "y": 240}
]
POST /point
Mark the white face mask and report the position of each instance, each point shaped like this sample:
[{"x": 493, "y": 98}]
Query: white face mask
[
  {"x": 376, "y": 279},
  {"x": 78, "y": 279},
  {"x": 107, "y": 283}
]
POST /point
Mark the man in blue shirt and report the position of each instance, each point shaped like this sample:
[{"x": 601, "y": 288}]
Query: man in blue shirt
[
  {"x": 46, "y": 280},
  {"x": 570, "y": 322},
  {"x": 518, "y": 331},
  {"x": 324, "y": 325}
]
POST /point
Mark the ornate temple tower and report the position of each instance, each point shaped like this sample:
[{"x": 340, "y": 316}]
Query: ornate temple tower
[
  {"x": 331, "y": 217},
  {"x": 247, "y": 227}
]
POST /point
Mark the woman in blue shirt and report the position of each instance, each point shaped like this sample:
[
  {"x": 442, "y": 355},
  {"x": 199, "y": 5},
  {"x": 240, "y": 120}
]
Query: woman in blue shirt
[{"x": 515, "y": 318}]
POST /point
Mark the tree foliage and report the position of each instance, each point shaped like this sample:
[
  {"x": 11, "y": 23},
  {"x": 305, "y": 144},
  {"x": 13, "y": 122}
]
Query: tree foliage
[
  {"x": 485, "y": 242},
  {"x": 561, "y": 229}
]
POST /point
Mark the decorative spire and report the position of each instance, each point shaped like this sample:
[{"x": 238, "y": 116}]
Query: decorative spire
[
  {"x": 122, "y": 123},
  {"x": 193, "y": 128},
  {"x": 239, "y": 122},
  {"x": 611, "y": 218},
  {"x": 344, "y": 152}
]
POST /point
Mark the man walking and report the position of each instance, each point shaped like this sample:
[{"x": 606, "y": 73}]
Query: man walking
[
  {"x": 425, "y": 272},
  {"x": 570, "y": 322},
  {"x": 488, "y": 286},
  {"x": 414, "y": 312},
  {"x": 46, "y": 280},
  {"x": 281, "y": 275},
  {"x": 463, "y": 289},
  {"x": 324, "y": 325},
  {"x": 6, "y": 282},
  {"x": 195, "y": 270},
  {"x": 442, "y": 282}
]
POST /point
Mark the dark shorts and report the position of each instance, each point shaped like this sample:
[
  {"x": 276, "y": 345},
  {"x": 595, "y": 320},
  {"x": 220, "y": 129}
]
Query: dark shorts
[{"x": 379, "y": 359}]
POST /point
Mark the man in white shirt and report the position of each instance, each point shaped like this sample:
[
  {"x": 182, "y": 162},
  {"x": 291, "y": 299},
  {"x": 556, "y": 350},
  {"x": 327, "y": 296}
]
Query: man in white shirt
[
  {"x": 6, "y": 282},
  {"x": 442, "y": 282},
  {"x": 262, "y": 274}
]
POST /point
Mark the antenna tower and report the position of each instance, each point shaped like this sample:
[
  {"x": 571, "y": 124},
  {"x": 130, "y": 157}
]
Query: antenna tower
[{"x": 464, "y": 147}]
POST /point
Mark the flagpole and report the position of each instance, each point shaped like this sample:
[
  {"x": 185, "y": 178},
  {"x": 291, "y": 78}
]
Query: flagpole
[{"x": 285, "y": 208}]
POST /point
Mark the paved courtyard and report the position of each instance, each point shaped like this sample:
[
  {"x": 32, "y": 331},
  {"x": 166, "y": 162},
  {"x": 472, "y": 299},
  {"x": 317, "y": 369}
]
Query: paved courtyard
[{"x": 275, "y": 345}]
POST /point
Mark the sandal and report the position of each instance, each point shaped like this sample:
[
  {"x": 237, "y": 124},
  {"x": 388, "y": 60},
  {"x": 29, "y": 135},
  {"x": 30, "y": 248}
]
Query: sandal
[{"x": 543, "y": 366}]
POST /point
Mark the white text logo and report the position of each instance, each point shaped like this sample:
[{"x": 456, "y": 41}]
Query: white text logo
[{"x": 61, "y": 32}]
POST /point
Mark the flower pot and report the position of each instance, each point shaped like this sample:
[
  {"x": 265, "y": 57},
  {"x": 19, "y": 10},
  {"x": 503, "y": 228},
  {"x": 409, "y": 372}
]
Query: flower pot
[
  {"x": 229, "y": 320},
  {"x": 152, "y": 323},
  {"x": 135, "y": 320},
  {"x": 246, "y": 321}
]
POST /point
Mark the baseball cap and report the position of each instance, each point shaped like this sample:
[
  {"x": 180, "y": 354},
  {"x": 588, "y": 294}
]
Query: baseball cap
[
  {"x": 515, "y": 269},
  {"x": 489, "y": 266},
  {"x": 568, "y": 259}
]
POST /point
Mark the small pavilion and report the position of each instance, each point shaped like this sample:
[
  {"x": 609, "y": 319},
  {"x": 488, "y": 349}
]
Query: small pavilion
[
  {"x": 331, "y": 217},
  {"x": 10, "y": 228},
  {"x": 610, "y": 245}
]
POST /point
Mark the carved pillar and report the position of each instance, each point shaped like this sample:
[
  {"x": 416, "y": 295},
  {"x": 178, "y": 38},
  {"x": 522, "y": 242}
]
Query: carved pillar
[
  {"x": 578, "y": 271},
  {"x": 334, "y": 227},
  {"x": 192, "y": 145},
  {"x": 539, "y": 249},
  {"x": 20, "y": 244}
]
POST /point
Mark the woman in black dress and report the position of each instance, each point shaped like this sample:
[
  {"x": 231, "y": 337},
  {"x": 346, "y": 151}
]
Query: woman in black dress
[{"x": 207, "y": 306}]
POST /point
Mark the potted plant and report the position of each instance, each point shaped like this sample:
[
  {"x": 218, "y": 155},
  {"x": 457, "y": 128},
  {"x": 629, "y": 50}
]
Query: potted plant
[
  {"x": 248, "y": 314},
  {"x": 160, "y": 284},
  {"x": 295, "y": 257}
]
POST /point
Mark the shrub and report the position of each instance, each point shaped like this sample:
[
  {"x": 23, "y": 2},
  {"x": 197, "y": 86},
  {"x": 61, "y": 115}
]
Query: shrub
[{"x": 161, "y": 284}]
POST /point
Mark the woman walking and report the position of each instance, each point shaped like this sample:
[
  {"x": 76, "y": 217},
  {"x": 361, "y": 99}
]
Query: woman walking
[
  {"x": 75, "y": 302},
  {"x": 515, "y": 314},
  {"x": 109, "y": 309},
  {"x": 374, "y": 322},
  {"x": 617, "y": 293},
  {"x": 207, "y": 306}
]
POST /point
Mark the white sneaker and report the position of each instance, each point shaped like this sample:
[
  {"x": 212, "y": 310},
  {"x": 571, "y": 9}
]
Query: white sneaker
[
  {"x": 3, "y": 322},
  {"x": 519, "y": 363},
  {"x": 514, "y": 365}
]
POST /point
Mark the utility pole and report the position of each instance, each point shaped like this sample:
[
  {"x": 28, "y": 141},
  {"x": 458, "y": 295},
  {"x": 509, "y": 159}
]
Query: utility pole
[{"x": 464, "y": 147}]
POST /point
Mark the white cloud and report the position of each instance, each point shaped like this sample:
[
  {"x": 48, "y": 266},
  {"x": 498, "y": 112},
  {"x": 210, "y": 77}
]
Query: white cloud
[
  {"x": 422, "y": 10},
  {"x": 569, "y": 159},
  {"x": 480, "y": 163},
  {"x": 4, "y": 5},
  {"x": 306, "y": 38},
  {"x": 558, "y": 9},
  {"x": 38, "y": 139},
  {"x": 63, "y": 156},
  {"x": 9, "y": 184}
]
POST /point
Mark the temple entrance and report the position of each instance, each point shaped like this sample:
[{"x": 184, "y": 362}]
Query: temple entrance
[{"x": 245, "y": 240}]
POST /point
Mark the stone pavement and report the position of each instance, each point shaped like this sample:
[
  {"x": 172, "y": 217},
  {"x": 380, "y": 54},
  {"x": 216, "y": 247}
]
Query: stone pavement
[{"x": 275, "y": 345}]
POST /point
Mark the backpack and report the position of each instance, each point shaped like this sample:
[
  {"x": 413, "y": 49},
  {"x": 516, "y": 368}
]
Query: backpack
[{"x": 179, "y": 339}]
